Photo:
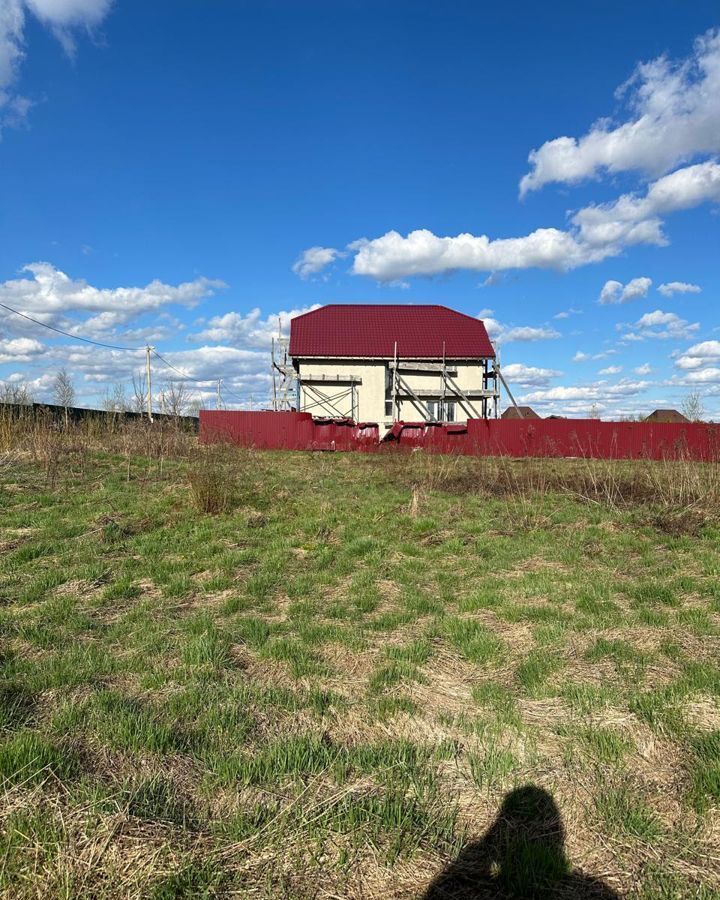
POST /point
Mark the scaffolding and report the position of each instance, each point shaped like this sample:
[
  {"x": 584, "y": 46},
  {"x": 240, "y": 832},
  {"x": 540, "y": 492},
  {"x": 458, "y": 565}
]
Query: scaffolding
[
  {"x": 435, "y": 404},
  {"x": 285, "y": 384},
  {"x": 293, "y": 391},
  {"x": 342, "y": 404}
]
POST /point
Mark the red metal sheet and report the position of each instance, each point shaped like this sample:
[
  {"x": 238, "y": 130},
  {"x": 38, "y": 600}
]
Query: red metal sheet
[
  {"x": 372, "y": 330},
  {"x": 492, "y": 437},
  {"x": 263, "y": 430},
  {"x": 594, "y": 439}
]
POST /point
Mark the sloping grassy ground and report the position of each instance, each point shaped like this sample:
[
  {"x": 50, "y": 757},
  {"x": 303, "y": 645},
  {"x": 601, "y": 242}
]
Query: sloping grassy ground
[{"x": 294, "y": 675}]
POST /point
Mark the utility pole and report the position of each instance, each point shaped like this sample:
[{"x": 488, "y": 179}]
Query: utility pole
[
  {"x": 274, "y": 375},
  {"x": 443, "y": 404},
  {"x": 148, "y": 374},
  {"x": 394, "y": 383}
]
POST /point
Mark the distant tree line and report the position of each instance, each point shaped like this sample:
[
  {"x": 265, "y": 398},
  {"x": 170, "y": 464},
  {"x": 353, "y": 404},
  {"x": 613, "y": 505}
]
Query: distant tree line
[{"x": 173, "y": 399}]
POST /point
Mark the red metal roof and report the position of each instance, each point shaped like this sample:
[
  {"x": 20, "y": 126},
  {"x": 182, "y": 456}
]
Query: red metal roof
[{"x": 371, "y": 330}]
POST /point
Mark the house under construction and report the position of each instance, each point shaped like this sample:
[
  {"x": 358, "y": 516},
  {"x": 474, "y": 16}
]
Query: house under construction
[{"x": 387, "y": 364}]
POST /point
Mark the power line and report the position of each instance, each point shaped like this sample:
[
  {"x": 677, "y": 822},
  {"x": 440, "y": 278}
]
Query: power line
[
  {"x": 77, "y": 337},
  {"x": 229, "y": 393},
  {"x": 183, "y": 374},
  {"x": 187, "y": 377},
  {"x": 74, "y": 337}
]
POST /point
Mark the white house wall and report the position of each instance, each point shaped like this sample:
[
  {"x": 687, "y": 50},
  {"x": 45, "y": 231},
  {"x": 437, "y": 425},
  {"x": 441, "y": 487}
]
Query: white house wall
[{"x": 370, "y": 394}]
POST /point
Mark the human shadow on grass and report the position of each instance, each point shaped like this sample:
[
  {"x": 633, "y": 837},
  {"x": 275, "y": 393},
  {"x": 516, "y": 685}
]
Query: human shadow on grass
[{"x": 522, "y": 855}]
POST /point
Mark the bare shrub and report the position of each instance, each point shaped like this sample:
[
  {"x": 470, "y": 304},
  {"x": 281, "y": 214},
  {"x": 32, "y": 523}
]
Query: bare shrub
[
  {"x": 220, "y": 477},
  {"x": 209, "y": 490},
  {"x": 16, "y": 394},
  {"x": 64, "y": 391},
  {"x": 693, "y": 407}
]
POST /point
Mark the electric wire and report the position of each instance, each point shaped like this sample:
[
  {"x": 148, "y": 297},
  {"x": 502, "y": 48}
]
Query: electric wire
[
  {"x": 181, "y": 373},
  {"x": 187, "y": 377},
  {"x": 75, "y": 337}
]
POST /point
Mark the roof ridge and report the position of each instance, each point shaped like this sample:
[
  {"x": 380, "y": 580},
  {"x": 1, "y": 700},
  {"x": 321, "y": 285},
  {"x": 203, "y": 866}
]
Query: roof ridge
[{"x": 373, "y": 329}]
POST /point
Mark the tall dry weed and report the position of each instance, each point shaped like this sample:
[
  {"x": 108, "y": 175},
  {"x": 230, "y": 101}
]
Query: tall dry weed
[{"x": 668, "y": 490}]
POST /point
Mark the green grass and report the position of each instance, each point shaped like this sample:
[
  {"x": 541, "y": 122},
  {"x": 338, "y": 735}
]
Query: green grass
[
  {"x": 27, "y": 757},
  {"x": 473, "y": 640},
  {"x": 491, "y": 769},
  {"x": 705, "y": 771},
  {"x": 534, "y": 672},
  {"x": 627, "y": 814},
  {"x": 228, "y": 673}
]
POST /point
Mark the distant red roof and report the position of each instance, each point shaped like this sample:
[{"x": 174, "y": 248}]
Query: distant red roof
[
  {"x": 371, "y": 330},
  {"x": 666, "y": 415},
  {"x": 519, "y": 412}
]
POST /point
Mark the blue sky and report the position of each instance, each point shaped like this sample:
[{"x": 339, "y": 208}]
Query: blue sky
[{"x": 182, "y": 172}]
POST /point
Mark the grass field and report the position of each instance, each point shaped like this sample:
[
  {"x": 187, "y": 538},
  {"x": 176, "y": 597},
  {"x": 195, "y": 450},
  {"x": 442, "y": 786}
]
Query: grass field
[{"x": 228, "y": 673}]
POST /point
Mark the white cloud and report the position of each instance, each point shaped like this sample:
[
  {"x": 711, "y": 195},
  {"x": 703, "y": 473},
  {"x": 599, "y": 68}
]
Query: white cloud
[
  {"x": 69, "y": 13},
  {"x": 422, "y": 253},
  {"x": 528, "y": 333},
  {"x": 661, "y": 325},
  {"x": 251, "y": 330},
  {"x": 624, "y": 387},
  {"x": 313, "y": 260},
  {"x": 581, "y": 356},
  {"x": 675, "y": 119},
  {"x": 233, "y": 347},
  {"x": 211, "y": 362},
  {"x": 17, "y": 350},
  {"x": 523, "y": 375},
  {"x": 504, "y": 334},
  {"x": 710, "y": 375},
  {"x": 62, "y": 17},
  {"x": 617, "y": 292},
  {"x": 644, "y": 369},
  {"x": 611, "y": 370},
  {"x": 673, "y": 115},
  {"x": 632, "y": 219},
  {"x": 700, "y": 355},
  {"x": 596, "y": 232},
  {"x": 678, "y": 287},
  {"x": 50, "y": 294},
  {"x": 244, "y": 372},
  {"x": 658, "y": 317},
  {"x": 566, "y": 313},
  {"x": 12, "y": 21}
]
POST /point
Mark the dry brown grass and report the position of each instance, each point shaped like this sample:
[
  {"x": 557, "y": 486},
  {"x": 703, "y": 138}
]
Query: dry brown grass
[{"x": 680, "y": 496}]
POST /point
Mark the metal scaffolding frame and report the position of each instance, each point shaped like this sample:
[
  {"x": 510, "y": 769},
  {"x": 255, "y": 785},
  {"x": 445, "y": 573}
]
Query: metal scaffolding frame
[
  {"x": 285, "y": 387},
  {"x": 331, "y": 402},
  {"x": 448, "y": 391},
  {"x": 291, "y": 391}
]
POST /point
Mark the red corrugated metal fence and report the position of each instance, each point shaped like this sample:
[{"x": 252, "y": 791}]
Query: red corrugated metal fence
[{"x": 481, "y": 437}]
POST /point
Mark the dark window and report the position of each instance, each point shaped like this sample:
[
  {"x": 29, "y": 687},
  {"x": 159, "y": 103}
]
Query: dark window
[{"x": 449, "y": 412}]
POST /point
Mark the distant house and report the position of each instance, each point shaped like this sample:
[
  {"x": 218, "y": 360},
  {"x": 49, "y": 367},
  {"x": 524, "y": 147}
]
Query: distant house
[
  {"x": 666, "y": 415},
  {"x": 387, "y": 363},
  {"x": 520, "y": 412}
]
